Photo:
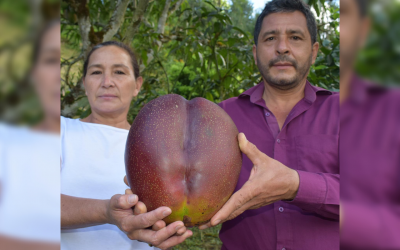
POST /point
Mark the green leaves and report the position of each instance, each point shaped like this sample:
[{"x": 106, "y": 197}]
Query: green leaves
[{"x": 205, "y": 51}]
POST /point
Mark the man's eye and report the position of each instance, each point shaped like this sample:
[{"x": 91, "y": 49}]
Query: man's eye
[
  {"x": 97, "y": 72},
  {"x": 270, "y": 38},
  {"x": 119, "y": 72},
  {"x": 296, "y": 38}
]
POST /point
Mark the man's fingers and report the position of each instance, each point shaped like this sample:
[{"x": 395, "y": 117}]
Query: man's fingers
[
  {"x": 250, "y": 149},
  {"x": 128, "y": 191},
  {"x": 158, "y": 225},
  {"x": 145, "y": 220},
  {"x": 126, "y": 180},
  {"x": 237, "y": 200},
  {"x": 119, "y": 201},
  {"x": 175, "y": 240},
  {"x": 140, "y": 208},
  {"x": 239, "y": 211}
]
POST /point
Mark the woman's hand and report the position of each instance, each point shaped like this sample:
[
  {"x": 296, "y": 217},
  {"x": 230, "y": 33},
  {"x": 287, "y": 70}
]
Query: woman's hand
[{"x": 131, "y": 216}]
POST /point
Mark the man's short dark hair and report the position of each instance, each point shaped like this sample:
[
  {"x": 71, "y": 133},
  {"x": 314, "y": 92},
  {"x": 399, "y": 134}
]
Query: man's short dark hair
[
  {"x": 279, "y": 6},
  {"x": 363, "y": 7}
]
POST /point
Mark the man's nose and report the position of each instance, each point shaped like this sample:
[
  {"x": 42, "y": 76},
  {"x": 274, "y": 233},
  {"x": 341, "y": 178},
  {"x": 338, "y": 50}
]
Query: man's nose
[{"x": 282, "y": 47}]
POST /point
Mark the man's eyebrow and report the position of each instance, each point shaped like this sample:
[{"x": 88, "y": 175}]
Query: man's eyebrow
[
  {"x": 292, "y": 31},
  {"x": 269, "y": 32}
]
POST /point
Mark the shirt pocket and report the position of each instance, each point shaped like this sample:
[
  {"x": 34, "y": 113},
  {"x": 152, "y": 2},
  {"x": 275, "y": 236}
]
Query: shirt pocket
[{"x": 318, "y": 153}]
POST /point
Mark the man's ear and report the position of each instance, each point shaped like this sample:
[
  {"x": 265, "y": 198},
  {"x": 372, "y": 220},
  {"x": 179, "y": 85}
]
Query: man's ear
[
  {"x": 255, "y": 53},
  {"x": 138, "y": 86},
  {"x": 365, "y": 28},
  {"x": 315, "y": 48}
]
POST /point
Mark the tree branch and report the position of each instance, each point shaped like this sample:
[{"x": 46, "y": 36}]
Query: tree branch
[
  {"x": 176, "y": 7},
  {"x": 70, "y": 64},
  {"x": 163, "y": 17},
  {"x": 136, "y": 21},
  {"x": 82, "y": 11},
  {"x": 166, "y": 75},
  {"x": 117, "y": 19}
]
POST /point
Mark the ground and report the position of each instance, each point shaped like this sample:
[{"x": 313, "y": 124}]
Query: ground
[{"x": 202, "y": 240}]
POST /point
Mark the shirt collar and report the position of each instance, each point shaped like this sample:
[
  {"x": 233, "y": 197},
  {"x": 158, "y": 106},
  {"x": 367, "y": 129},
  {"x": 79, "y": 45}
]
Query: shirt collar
[
  {"x": 359, "y": 89},
  {"x": 310, "y": 92}
]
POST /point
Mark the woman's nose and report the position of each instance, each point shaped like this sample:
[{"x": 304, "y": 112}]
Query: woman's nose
[{"x": 107, "y": 81}]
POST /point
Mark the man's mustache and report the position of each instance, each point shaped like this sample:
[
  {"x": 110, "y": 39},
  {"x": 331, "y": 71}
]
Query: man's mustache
[{"x": 283, "y": 59}]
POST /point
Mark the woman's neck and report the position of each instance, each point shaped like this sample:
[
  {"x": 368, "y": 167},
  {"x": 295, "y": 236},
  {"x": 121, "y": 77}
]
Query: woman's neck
[
  {"x": 118, "y": 121},
  {"x": 50, "y": 124}
]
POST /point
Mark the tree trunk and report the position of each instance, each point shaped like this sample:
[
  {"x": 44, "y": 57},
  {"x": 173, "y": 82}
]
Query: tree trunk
[
  {"x": 136, "y": 21},
  {"x": 163, "y": 17},
  {"x": 116, "y": 20}
]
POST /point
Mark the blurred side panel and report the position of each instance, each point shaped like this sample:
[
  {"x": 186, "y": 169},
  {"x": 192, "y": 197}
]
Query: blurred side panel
[
  {"x": 370, "y": 124},
  {"x": 29, "y": 124}
]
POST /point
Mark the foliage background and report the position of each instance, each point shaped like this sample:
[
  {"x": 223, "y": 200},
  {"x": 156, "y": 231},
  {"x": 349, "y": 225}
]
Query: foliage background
[
  {"x": 379, "y": 61},
  {"x": 191, "y": 48}
]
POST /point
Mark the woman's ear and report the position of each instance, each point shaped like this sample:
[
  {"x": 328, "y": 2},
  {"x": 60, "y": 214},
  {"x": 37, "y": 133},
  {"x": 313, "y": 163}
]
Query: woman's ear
[{"x": 138, "y": 86}]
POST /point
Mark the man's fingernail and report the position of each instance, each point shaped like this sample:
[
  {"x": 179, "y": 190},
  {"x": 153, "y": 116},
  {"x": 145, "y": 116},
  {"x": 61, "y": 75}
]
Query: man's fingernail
[
  {"x": 216, "y": 222},
  {"x": 132, "y": 198},
  {"x": 178, "y": 227},
  {"x": 166, "y": 212}
]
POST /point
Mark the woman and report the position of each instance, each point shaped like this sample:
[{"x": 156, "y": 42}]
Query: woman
[
  {"x": 30, "y": 158},
  {"x": 92, "y": 164}
]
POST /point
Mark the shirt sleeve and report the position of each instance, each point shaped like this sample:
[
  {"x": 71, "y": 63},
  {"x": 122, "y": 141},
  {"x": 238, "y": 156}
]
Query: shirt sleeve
[
  {"x": 370, "y": 226},
  {"x": 62, "y": 135},
  {"x": 319, "y": 193},
  {"x": 2, "y": 154}
]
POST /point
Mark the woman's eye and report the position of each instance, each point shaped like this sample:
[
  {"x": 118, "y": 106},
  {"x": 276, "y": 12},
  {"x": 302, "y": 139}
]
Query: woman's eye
[
  {"x": 96, "y": 72},
  {"x": 50, "y": 61},
  {"x": 119, "y": 72}
]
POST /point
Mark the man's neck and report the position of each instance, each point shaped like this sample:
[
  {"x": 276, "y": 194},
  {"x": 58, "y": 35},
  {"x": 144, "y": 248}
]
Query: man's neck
[
  {"x": 283, "y": 100},
  {"x": 114, "y": 120},
  {"x": 345, "y": 78}
]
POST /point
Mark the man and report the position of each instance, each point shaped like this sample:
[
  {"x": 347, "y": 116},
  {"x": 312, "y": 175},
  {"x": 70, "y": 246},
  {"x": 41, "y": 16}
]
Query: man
[
  {"x": 288, "y": 189},
  {"x": 369, "y": 145}
]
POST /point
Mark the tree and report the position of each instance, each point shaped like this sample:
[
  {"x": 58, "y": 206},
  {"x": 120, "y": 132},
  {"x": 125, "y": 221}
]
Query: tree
[{"x": 191, "y": 48}]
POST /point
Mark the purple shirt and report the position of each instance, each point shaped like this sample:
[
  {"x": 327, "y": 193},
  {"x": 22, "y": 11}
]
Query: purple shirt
[
  {"x": 308, "y": 143},
  {"x": 370, "y": 167}
]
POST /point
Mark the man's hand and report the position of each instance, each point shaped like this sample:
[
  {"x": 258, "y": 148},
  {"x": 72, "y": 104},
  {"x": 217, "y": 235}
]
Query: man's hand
[{"x": 269, "y": 181}]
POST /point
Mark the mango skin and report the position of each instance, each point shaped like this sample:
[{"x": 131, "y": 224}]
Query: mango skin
[{"x": 184, "y": 155}]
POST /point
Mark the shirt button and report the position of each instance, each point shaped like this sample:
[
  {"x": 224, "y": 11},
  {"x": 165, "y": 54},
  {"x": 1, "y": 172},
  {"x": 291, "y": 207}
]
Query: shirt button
[
  {"x": 267, "y": 114},
  {"x": 278, "y": 141},
  {"x": 281, "y": 209}
]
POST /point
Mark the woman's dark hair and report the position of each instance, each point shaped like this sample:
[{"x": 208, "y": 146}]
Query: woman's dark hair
[
  {"x": 123, "y": 46},
  {"x": 363, "y": 7},
  {"x": 280, "y": 6},
  {"x": 37, "y": 44}
]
